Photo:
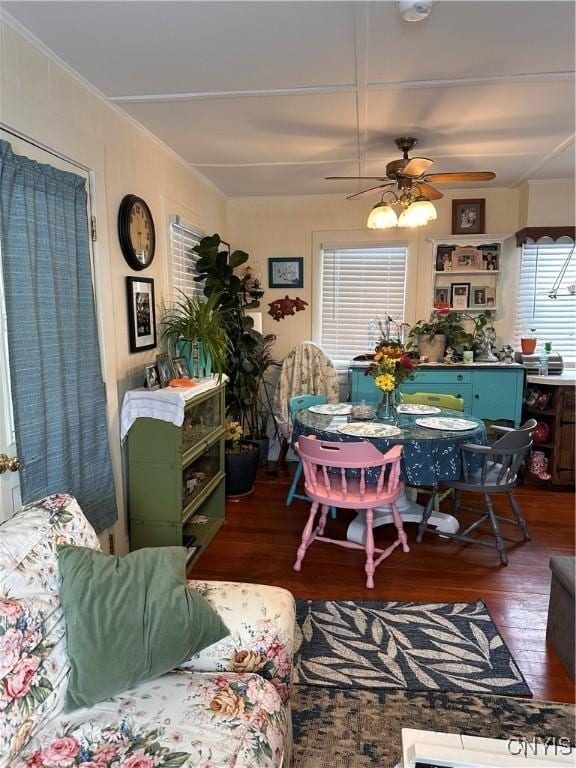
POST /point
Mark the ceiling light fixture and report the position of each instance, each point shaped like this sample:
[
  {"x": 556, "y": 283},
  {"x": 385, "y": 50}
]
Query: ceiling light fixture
[
  {"x": 415, "y": 10},
  {"x": 417, "y": 211}
]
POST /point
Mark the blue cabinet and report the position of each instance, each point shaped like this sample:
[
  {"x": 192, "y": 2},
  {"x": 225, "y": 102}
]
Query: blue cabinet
[{"x": 488, "y": 392}]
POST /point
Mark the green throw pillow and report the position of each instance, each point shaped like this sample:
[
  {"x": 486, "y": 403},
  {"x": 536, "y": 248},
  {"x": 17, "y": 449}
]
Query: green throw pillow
[{"x": 129, "y": 619}]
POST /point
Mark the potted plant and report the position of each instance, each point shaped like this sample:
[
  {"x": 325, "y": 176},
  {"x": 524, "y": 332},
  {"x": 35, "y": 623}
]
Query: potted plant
[
  {"x": 194, "y": 320},
  {"x": 259, "y": 411},
  {"x": 243, "y": 359},
  {"x": 241, "y": 461},
  {"x": 431, "y": 337}
]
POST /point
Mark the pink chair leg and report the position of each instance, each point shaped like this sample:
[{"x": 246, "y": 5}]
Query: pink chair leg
[
  {"x": 306, "y": 536},
  {"x": 369, "y": 550},
  {"x": 400, "y": 527},
  {"x": 323, "y": 517}
]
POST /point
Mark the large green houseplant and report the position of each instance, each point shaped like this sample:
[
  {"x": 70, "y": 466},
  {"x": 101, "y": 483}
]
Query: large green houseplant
[
  {"x": 243, "y": 361},
  {"x": 431, "y": 337}
]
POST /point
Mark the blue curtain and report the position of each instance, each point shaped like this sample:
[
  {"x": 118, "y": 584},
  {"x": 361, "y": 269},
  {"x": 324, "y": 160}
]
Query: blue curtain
[{"x": 57, "y": 387}]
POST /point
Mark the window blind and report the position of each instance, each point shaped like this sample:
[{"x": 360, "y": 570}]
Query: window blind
[
  {"x": 553, "y": 319},
  {"x": 359, "y": 286},
  {"x": 182, "y": 239}
]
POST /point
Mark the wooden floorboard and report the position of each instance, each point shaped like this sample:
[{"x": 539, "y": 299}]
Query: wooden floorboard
[{"x": 259, "y": 541}]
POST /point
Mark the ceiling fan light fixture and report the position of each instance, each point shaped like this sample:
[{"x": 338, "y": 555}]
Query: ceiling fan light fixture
[
  {"x": 382, "y": 216},
  {"x": 423, "y": 208},
  {"x": 415, "y": 10}
]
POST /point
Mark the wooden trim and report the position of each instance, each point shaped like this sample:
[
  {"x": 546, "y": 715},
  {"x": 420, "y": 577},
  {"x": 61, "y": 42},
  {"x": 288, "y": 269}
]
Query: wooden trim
[{"x": 535, "y": 233}]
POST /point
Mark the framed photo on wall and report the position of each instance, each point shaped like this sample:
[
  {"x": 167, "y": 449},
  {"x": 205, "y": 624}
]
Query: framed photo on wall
[
  {"x": 479, "y": 296},
  {"x": 468, "y": 217},
  {"x": 460, "y": 294},
  {"x": 286, "y": 272},
  {"x": 141, "y": 313}
]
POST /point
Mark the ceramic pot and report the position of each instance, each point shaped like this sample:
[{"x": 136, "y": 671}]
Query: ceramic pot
[
  {"x": 528, "y": 346},
  {"x": 433, "y": 350},
  {"x": 263, "y": 444},
  {"x": 241, "y": 469},
  {"x": 541, "y": 433}
]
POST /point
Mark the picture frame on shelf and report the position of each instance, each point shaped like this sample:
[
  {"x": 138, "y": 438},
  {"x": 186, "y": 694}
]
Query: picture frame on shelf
[
  {"x": 468, "y": 216},
  {"x": 286, "y": 272},
  {"x": 460, "y": 295},
  {"x": 490, "y": 298},
  {"x": 151, "y": 377},
  {"x": 466, "y": 259},
  {"x": 180, "y": 368},
  {"x": 165, "y": 372},
  {"x": 478, "y": 297},
  {"x": 141, "y": 313},
  {"x": 490, "y": 261},
  {"x": 442, "y": 297},
  {"x": 444, "y": 258}
]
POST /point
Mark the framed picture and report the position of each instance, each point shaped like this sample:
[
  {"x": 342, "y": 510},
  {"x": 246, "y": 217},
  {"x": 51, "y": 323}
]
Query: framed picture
[
  {"x": 141, "y": 313},
  {"x": 465, "y": 259},
  {"x": 444, "y": 258},
  {"x": 490, "y": 261},
  {"x": 442, "y": 297},
  {"x": 490, "y": 298},
  {"x": 479, "y": 296},
  {"x": 286, "y": 273},
  {"x": 180, "y": 368},
  {"x": 468, "y": 217},
  {"x": 151, "y": 375},
  {"x": 164, "y": 366},
  {"x": 460, "y": 295}
]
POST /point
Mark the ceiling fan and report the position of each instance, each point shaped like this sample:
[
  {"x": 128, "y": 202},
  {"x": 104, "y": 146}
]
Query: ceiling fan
[{"x": 409, "y": 183}]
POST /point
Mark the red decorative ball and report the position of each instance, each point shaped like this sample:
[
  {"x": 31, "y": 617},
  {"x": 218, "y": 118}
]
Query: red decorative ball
[{"x": 541, "y": 433}]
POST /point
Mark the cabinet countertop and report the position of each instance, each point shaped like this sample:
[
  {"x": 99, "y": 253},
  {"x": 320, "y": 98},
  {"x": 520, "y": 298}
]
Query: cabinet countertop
[
  {"x": 454, "y": 366},
  {"x": 565, "y": 379}
]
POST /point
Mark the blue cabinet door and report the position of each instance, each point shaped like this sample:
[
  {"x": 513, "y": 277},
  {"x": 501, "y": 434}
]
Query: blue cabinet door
[{"x": 497, "y": 394}]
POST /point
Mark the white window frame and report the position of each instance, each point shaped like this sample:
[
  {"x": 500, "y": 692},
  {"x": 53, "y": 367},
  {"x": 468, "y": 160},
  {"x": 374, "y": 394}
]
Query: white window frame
[
  {"x": 533, "y": 302},
  {"x": 360, "y": 240},
  {"x": 195, "y": 234}
]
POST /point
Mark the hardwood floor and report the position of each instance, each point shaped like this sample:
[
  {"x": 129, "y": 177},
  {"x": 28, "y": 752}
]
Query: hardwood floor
[{"x": 259, "y": 541}]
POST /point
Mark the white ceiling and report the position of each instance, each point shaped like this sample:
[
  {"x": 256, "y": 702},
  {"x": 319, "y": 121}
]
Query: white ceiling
[{"x": 267, "y": 98}]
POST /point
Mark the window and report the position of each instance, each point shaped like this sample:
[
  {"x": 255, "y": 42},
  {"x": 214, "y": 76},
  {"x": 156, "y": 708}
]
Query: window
[
  {"x": 553, "y": 319},
  {"x": 359, "y": 286},
  {"x": 182, "y": 239}
]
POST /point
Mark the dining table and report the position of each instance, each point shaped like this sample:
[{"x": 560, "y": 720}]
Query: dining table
[{"x": 431, "y": 452}]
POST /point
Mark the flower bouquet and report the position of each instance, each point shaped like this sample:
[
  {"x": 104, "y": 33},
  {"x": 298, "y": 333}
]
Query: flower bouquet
[{"x": 391, "y": 366}]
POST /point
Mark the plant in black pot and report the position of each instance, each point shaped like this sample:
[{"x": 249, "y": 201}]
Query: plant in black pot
[
  {"x": 241, "y": 461},
  {"x": 246, "y": 347},
  {"x": 258, "y": 416}
]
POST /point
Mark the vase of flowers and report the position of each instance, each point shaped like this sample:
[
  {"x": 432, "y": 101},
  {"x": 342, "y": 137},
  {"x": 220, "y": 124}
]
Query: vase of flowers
[{"x": 392, "y": 365}]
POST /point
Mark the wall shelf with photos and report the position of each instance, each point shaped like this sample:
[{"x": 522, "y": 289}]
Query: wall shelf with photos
[{"x": 466, "y": 271}]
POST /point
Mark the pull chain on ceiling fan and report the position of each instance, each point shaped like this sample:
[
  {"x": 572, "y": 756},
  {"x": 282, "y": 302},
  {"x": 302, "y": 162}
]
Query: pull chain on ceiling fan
[{"x": 410, "y": 186}]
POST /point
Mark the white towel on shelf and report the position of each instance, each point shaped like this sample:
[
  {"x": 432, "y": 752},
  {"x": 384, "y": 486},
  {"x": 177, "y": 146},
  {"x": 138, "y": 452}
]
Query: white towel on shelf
[{"x": 165, "y": 404}]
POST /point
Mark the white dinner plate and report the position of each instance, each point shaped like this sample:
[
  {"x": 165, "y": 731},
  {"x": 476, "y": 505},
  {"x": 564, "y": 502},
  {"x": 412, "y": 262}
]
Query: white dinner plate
[
  {"x": 363, "y": 429},
  {"x": 419, "y": 408},
  {"x": 332, "y": 409},
  {"x": 447, "y": 423}
]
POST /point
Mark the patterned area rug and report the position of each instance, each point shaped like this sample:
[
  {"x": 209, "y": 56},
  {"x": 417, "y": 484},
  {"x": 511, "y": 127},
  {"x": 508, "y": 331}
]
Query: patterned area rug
[
  {"x": 353, "y": 728},
  {"x": 414, "y": 646}
]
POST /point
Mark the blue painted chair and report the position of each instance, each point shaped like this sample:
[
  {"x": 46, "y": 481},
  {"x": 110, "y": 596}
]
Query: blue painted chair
[{"x": 296, "y": 404}]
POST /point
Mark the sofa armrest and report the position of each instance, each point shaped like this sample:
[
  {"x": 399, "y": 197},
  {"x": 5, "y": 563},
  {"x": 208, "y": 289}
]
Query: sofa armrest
[{"x": 261, "y": 620}]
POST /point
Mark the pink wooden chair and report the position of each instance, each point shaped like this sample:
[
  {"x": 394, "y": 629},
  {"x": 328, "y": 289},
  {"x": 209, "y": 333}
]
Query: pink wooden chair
[{"x": 332, "y": 489}]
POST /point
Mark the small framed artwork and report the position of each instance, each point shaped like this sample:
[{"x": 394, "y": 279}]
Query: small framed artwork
[
  {"x": 164, "y": 366},
  {"x": 490, "y": 298},
  {"x": 442, "y": 297},
  {"x": 460, "y": 295},
  {"x": 468, "y": 217},
  {"x": 478, "y": 297},
  {"x": 151, "y": 375},
  {"x": 180, "y": 368},
  {"x": 286, "y": 273},
  {"x": 141, "y": 313},
  {"x": 465, "y": 259}
]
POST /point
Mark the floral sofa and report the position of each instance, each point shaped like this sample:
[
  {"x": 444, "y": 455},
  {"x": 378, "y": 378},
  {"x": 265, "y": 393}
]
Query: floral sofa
[{"x": 226, "y": 707}]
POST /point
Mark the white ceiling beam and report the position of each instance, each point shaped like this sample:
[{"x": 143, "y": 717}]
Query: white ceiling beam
[
  {"x": 361, "y": 21},
  {"x": 544, "y": 161},
  {"x": 274, "y": 163}
]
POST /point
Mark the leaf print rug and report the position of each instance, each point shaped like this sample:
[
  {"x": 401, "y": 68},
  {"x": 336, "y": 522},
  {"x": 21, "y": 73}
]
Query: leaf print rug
[
  {"x": 415, "y": 646},
  {"x": 354, "y": 728}
]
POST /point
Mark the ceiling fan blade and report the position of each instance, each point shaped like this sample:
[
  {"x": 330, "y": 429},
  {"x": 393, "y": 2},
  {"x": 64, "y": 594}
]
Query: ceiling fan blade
[
  {"x": 351, "y": 178},
  {"x": 428, "y": 191},
  {"x": 416, "y": 166},
  {"x": 370, "y": 190},
  {"x": 452, "y": 178}
]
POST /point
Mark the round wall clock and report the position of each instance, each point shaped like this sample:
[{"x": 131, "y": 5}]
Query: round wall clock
[{"x": 136, "y": 232}]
